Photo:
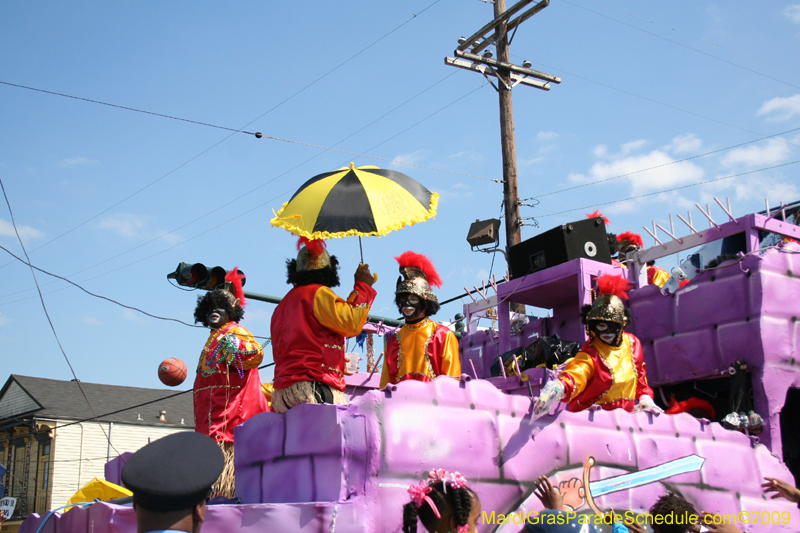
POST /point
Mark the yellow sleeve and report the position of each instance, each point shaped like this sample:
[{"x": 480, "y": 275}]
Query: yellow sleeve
[
  {"x": 451, "y": 359},
  {"x": 338, "y": 315},
  {"x": 581, "y": 370},
  {"x": 252, "y": 351},
  {"x": 660, "y": 277}
]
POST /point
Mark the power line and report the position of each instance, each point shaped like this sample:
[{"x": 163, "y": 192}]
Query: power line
[
  {"x": 666, "y": 164},
  {"x": 672, "y": 189},
  {"x": 684, "y": 45},
  {"x": 696, "y": 38},
  {"x": 105, "y": 297},
  {"x": 41, "y": 298},
  {"x": 234, "y": 131},
  {"x": 261, "y": 186}
]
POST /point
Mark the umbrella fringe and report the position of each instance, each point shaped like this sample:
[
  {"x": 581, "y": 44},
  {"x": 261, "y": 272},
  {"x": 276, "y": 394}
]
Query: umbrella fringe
[{"x": 282, "y": 222}]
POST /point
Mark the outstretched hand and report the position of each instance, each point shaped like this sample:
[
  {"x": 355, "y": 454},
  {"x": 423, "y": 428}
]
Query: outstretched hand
[
  {"x": 363, "y": 274},
  {"x": 549, "y": 495},
  {"x": 782, "y": 489},
  {"x": 550, "y": 394}
]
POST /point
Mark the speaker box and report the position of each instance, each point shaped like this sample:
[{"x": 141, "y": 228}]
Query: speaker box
[{"x": 585, "y": 238}]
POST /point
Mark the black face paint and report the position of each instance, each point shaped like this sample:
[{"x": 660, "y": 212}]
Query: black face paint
[
  {"x": 216, "y": 318},
  {"x": 609, "y": 333},
  {"x": 411, "y": 307}
]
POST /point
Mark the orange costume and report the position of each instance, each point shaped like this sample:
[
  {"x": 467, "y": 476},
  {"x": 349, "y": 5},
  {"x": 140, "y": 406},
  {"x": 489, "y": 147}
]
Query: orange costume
[
  {"x": 609, "y": 376},
  {"x": 421, "y": 351},
  {"x": 227, "y": 389},
  {"x": 309, "y": 327}
]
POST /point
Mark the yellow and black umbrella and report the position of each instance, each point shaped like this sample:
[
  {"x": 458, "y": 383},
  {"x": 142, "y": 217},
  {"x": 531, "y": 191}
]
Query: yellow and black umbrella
[{"x": 359, "y": 201}]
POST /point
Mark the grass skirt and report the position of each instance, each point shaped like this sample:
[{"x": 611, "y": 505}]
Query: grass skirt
[
  {"x": 300, "y": 392},
  {"x": 226, "y": 482}
]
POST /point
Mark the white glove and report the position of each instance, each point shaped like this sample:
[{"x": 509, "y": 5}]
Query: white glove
[
  {"x": 552, "y": 392},
  {"x": 646, "y": 403}
]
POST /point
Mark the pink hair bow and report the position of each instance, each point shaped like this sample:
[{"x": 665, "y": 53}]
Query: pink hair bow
[
  {"x": 457, "y": 481},
  {"x": 463, "y": 529},
  {"x": 438, "y": 474},
  {"x": 419, "y": 495}
]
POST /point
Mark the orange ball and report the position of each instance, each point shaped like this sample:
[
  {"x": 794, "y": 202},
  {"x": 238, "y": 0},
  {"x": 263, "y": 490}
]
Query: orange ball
[{"x": 172, "y": 372}]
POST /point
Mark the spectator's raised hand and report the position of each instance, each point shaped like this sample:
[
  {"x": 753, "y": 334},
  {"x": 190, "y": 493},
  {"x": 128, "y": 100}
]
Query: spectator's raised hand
[
  {"x": 782, "y": 489},
  {"x": 549, "y": 495}
]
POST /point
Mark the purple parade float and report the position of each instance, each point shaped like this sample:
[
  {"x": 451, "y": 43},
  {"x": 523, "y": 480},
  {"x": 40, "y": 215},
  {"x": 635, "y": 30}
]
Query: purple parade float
[{"x": 346, "y": 468}]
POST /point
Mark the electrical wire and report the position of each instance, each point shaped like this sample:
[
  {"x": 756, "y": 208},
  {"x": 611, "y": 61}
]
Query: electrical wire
[
  {"x": 107, "y": 298},
  {"x": 672, "y": 189},
  {"x": 695, "y": 37},
  {"x": 44, "y": 307},
  {"x": 665, "y": 164},
  {"x": 234, "y": 131},
  {"x": 684, "y": 46}
]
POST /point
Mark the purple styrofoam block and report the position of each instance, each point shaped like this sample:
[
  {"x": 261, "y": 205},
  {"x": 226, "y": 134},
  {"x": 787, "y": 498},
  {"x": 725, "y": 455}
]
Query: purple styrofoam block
[
  {"x": 260, "y": 439},
  {"x": 323, "y": 437},
  {"x": 676, "y": 357},
  {"x": 113, "y": 468}
]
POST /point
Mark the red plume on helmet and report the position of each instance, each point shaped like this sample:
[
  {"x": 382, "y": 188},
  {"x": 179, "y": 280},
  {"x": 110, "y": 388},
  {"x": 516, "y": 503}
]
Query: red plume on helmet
[
  {"x": 616, "y": 285},
  {"x": 315, "y": 246},
  {"x": 596, "y": 214},
  {"x": 235, "y": 277},
  {"x": 412, "y": 259},
  {"x": 631, "y": 237}
]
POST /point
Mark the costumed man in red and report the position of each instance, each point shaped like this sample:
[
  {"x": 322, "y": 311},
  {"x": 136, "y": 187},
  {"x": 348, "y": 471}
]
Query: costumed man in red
[
  {"x": 421, "y": 349},
  {"x": 629, "y": 243},
  {"x": 309, "y": 327},
  {"x": 609, "y": 369},
  {"x": 227, "y": 389}
]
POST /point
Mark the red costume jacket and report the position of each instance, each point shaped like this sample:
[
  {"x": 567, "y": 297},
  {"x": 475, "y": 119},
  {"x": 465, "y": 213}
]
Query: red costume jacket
[
  {"x": 227, "y": 389},
  {"x": 309, "y": 327},
  {"x": 611, "y": 377}
]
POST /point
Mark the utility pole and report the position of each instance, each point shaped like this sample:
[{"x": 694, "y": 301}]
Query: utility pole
[{"x": 507, "y": 76}]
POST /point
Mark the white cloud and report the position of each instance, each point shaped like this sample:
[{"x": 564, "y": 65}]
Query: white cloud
[
  {"x": 792, "y": 12},
  {"x": 781, "y": 108},
  {"x": 467, "y": 156},
  {"x": 78, "y": 161},
  {"x": 128, "y": 314},
  {"x": 92, "y": 321},
  {"x": 546, "y": 136},
  {"x": 125, "y": 225},
  {"x": 683, "y": 144},
  {"x": 27, "y": 233},
  {"x": 770, "y": 153},
  {"x": 774, "y": 189},
  {"x": 413, "y": 157},
  {"x": 662, "y": 171},
  {"x": 601, "y": 150}
]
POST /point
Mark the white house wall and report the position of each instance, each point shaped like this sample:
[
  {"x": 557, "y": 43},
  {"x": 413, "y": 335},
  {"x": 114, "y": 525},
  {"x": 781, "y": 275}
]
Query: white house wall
[{"x": 82, "y": 450}]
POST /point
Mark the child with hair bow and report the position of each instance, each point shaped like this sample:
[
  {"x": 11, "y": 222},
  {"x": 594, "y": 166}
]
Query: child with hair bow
[{"x": 442, "y": 503}]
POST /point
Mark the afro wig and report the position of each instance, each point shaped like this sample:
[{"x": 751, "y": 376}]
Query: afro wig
[{"x": 217, "y": 299}]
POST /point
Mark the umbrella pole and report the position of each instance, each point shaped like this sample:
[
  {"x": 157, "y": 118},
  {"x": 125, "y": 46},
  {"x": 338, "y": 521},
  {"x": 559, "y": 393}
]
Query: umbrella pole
[{"x": 361, "y": 249}]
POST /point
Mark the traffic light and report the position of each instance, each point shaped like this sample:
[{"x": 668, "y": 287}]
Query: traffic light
[{"x": 197, "y": 275}]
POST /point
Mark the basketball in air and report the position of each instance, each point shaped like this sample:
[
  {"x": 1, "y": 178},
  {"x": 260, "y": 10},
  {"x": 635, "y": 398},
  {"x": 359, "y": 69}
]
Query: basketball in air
[{"x": 172, "y": 372}]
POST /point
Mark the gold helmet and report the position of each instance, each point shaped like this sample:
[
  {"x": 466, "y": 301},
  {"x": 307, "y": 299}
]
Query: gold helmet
[
  {"x": 417, "y": 276},
  {"x": 608, "y": 306},
  {"x": 312, "y": 255}
]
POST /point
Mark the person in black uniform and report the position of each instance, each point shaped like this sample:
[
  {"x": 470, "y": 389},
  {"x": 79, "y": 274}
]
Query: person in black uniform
[{"x": 170, "y": 479}]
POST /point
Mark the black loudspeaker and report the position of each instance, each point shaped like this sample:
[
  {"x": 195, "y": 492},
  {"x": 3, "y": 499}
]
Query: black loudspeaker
[{"x": 585, "y": 238}]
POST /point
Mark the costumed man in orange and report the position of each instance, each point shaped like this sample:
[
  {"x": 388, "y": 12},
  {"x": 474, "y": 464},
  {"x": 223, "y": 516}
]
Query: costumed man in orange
[
  {"x": 421, "y": 349},
  {"x": 609, "y": 369},
  {"x": 309, "y": 327},
  {"x": 227, "y": 389},
  {"x": 629, "y": 243}
]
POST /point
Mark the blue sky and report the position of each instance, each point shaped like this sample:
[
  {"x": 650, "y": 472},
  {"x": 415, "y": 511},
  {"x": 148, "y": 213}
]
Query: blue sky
[{"x": 654, "y": 96}]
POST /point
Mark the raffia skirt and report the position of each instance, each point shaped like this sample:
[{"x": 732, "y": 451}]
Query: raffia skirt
[{"x": 301, "y": 392}]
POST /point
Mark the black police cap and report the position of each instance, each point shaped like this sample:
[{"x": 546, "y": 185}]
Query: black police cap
[{"x": 175, "y": 472}]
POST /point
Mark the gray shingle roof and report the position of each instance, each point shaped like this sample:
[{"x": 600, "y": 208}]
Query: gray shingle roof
[{"x": 111, "y": 403}]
